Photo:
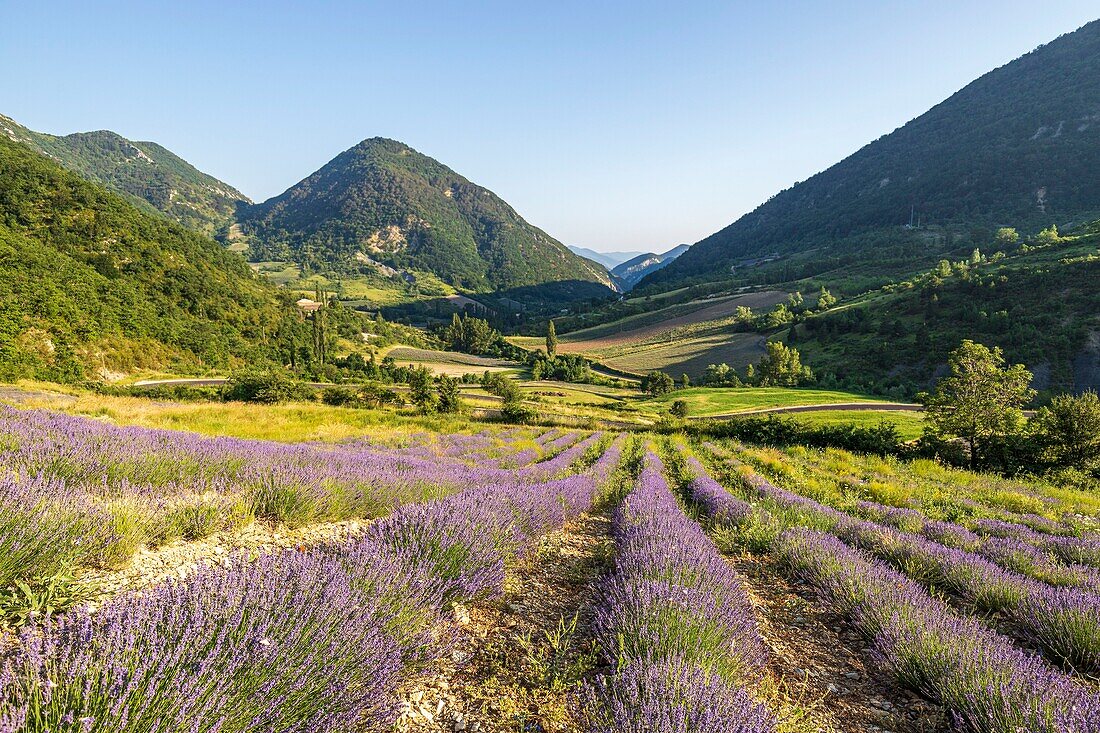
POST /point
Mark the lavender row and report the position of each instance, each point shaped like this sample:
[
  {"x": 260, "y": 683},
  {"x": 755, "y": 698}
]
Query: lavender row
[
  {"x": 1012, "y": 546},
  {"x": 1081, "y": 546},
  {"x": 1065, "y": 622},
  {"x": 103, "y": 491},
  {"x": 1084, "y": 550},
  {"x": 309, "y": 641},
  {"x": 676, "y": 622},
  {"x": 990, "y": 685},
  {"x": 159, "y": 461}
]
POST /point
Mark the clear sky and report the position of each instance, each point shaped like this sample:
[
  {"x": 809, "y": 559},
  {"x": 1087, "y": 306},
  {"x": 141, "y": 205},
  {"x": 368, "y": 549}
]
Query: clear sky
[{"x": 612, "y": 125}]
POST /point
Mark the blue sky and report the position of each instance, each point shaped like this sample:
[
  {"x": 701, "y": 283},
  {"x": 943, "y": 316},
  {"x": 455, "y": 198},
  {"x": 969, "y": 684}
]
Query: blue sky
[{"x": 612, "y": 125}]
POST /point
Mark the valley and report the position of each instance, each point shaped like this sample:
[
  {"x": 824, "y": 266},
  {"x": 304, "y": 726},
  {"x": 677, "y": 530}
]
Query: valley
[{"x": 372, "y": 452}]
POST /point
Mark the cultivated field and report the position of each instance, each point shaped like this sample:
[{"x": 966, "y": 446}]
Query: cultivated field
[
  {"x": 418, "y": 576},
  {"x": 451, "y": 363},
  {"x": 682, "y": 338}
]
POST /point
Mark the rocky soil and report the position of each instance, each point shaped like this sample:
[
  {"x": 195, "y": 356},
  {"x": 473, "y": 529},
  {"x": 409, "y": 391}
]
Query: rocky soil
[
  {"x": 176, "y": 560},
  {"x": 519, "y": 660},
  {"x": 823, "y": 665}
]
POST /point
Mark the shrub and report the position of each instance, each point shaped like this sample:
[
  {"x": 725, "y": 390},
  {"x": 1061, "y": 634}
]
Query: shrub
[
  {"x": 882, "y": 439},
  {"x": 269, "y": 386},
  {"x": 292, "y": 505}
]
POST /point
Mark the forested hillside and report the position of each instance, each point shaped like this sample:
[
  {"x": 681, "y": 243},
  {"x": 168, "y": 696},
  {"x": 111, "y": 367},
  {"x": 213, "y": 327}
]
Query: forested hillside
[
  {"x": 1040, "y": 302},
  {"x": 154, "y": 178},
  {"x": 382, "y": 202},
  {"x": 90, "y": 283},
  {"x": 1018, "y": 147}
]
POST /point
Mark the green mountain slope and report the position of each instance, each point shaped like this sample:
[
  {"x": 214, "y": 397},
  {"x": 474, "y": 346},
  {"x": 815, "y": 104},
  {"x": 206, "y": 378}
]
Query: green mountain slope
[
  {"x": 1018, "y": 147},
  {"x": 1040, "y": 304},
  {"x": 89, "y": 283},
  {"x": 383, "y": 202},
  {"x": 151, "y": 176}
]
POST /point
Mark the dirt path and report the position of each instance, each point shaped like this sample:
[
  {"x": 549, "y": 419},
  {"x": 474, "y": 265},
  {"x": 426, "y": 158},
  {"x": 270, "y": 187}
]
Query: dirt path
[
  {"x": 819, "y": 658},
  {"x": 518, "y": 659}
]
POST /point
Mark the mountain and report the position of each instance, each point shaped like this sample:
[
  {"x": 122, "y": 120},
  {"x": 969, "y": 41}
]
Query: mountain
[
  {"x": 149, "y": 175},
  {"x": 629, "y": 273},
  {"x": 1018, "y": 147},
  {"x": 91, "y": 283},
  {"x": 381, "y": 202},
  {"x": 607, "y": 259}
]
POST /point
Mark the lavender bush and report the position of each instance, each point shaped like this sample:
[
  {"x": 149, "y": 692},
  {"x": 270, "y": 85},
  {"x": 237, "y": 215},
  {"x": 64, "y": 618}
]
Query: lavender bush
[
  {"x": 989, "y": 684},
  {"x": 671, "y": 697},
  {"x": 675, "y": 619},
  {"x": 293, "y": 641}
]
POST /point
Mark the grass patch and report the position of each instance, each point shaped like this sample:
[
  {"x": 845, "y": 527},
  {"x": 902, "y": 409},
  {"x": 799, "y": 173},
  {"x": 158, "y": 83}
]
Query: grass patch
[
  {"x": 707, "y": 401},
  {"x": 910, "y": 425}
]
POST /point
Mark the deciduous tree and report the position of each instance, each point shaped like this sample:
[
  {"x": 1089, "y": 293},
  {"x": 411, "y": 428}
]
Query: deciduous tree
[{"x": 980, "y": 400}]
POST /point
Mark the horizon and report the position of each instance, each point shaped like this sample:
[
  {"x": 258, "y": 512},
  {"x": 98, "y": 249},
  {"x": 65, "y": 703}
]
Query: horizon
[{"x": 565, "y": 112}]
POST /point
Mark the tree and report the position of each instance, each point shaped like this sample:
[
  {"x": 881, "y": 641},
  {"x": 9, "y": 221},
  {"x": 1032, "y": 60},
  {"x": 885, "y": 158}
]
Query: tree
[
  {"x": 449, "y": 401},
  {"x": 1007, "y": 237},
  {"x": 1048, "y": 236},
  {"x": 779, "y": 316},
  {"x": 979, "y": 401},
  {"x": 551, "y": 340},
  {"x": 685, "y": 381},
  {"x": 420, "y": 389},
  {"x": 1069, "y": 430},
  {"x": 512, "y": 408},
  {"x": 976, "y": 257},
  {"x": 657, "y": 383},
  {"x": 720, "y": 375},
  {"x": 470, "y": 335},
  {"x": 781, "y": 366},
  {"x": 679, "y": 409},
  {"x": 825, "y": 300}
]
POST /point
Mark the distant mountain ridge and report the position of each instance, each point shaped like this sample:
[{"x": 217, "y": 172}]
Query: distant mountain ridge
[
  {"x": 607, "y": 259},
  {"x": 150, "y": 175},
  {"x": 629, "y": 273},
  {"x": 1018, "y": 147},
  {"x": 381, "y": 201}
]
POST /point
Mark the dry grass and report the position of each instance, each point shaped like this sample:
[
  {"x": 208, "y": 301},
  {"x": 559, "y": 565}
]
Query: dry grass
[{"x": 294, "y": 422}]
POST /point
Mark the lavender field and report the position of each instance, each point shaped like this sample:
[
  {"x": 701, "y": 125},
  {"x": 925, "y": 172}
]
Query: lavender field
[{"x": 528, "y": 579}]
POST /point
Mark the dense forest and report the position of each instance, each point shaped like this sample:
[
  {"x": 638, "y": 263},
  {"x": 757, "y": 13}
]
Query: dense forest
[
  {"x": 150, "y": 176},
  {"x": 91, "y": 283}
]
